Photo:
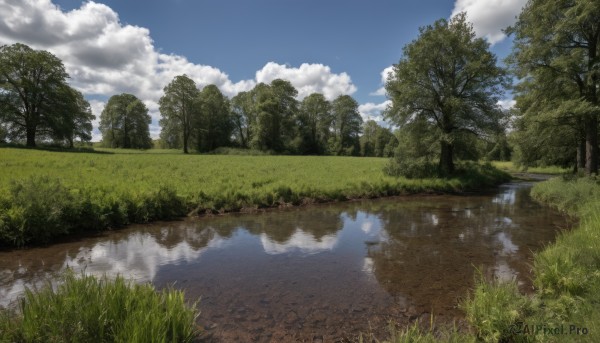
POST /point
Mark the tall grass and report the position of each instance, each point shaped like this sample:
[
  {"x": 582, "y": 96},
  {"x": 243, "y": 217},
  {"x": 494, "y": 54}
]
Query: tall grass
[
  {"x": 566, "y": 277},
  {"x": 44, "y": 194},
  {"x": 88, "y": 309}
]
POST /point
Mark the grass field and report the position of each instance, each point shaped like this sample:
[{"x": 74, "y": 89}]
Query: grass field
[{"x": 44, "y": 194}]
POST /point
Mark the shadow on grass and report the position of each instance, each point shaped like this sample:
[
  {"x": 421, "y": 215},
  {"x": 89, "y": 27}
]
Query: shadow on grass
[{"x": 55, "y": 148}]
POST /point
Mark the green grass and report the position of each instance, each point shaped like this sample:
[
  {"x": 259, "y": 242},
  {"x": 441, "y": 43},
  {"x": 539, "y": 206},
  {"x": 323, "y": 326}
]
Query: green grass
[
  {"x": 510, "y": 167},
  {"x": 45, "y": 194},
  {"x": 566, "y": 277},
  {"x": 88, "y": 309}
]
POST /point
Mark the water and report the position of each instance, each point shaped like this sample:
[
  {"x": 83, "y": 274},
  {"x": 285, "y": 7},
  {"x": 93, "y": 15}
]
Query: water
[{"x": 321, "y": 272}]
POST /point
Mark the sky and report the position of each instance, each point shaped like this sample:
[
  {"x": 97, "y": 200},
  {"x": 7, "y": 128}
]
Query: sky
[{"x": 334, "y": 47}]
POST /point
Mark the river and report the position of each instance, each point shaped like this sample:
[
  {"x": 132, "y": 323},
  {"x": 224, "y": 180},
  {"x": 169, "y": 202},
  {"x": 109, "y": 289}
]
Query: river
[{"x": 321, "y": 272}]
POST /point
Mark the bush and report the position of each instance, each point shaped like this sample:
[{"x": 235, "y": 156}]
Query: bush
[
  {"x": 418, "y": 168},
  {"x": 39, "y": 209},
  {"x": 88, "y": 309}
]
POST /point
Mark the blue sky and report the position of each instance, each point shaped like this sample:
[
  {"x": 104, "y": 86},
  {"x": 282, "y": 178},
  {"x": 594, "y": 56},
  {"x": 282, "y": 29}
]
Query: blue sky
[{"x": 331, "y": 46}]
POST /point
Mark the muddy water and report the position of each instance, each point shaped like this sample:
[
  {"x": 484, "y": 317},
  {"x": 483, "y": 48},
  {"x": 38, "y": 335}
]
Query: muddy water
[{"x": 318, "y": 273}]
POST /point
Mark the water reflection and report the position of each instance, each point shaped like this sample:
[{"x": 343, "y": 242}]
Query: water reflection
[{"x": 326, "y": 270}]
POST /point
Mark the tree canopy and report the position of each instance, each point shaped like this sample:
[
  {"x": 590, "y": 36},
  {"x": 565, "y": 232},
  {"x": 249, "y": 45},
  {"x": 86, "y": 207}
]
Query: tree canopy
[
  {"x": 557, "y": 55},
  {"x": 124, "y": 123},
  {"x": 179, "y": 109},
  {"x": 35, "y": 100},
  {"x": 448, "y": 78}
]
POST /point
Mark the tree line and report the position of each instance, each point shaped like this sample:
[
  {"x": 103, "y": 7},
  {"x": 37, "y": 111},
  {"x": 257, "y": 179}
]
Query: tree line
[{"x": 267, "y": 118}]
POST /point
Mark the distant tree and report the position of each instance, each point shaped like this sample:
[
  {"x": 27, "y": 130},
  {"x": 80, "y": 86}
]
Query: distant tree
[
  {"x": 213, "y": 126},
  {"x": 449, "y": 78},
  {"x": 243, "y": 116},
  {"x": 179, "y": 108},
  {"x": 76, "y": 118},
  {"x": 375, "y": 140},
  {"x": 275, "y": 108},
  {"x": 557, "y": 57},
  {"x": 124, "y": 123},
  {"x": 314, "y": 122},
  {"x": 347, "y": 125},
  {"x": 35, "y": 98}
]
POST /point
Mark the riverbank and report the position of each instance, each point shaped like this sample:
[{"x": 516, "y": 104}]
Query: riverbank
[
  {"x": 566, "y": 304},
  {"x": 46, "y": 195}
]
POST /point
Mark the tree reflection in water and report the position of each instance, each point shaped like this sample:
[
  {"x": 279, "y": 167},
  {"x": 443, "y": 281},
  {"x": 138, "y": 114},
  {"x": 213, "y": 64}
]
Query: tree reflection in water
[{"x": 330, "y": 269}]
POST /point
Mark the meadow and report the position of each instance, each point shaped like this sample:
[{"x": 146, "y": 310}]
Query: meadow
[{"x": 46, "y": 194}]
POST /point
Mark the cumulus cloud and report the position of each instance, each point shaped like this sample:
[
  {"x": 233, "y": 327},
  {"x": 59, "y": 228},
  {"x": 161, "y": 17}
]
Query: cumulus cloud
[
  {"x": 507, "y": 104},
  {"x": 385, "y": 73},
  {"x": 489, "y": 17},
  {"x": 104, "y": 56},
  {"x": 373, "y": 111},
  {"x": 308, "y": 79}
]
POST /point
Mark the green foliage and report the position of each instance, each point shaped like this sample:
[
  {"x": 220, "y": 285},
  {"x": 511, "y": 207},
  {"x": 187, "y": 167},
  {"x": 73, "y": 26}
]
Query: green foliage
[
  {"x": 39, "y": 208},
  {"x": 179, "y": 109},
  {"x": 448, "y": 80},
  {"x": 36, "y": 103},
  {"x": 213, "y": 127},
  {"x": 494, "y": 309},
  {"x": 314, "y": 121},
  {"x": 124, "y": 123},
  {"x": 556, "y": 49},
  {"x": 347, "y": 126},
  {"x": 88, "y": 309},
  {"x": 377, "y": 141},
  {"x": 88, "y": 192}
]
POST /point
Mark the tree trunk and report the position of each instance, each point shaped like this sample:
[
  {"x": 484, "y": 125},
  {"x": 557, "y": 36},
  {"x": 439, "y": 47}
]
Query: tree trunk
[
  {"x": 446, "y": 158},
  {"x": 185, "y": 141},
  {"x": 30, "y": 136},
  {"x": 591, "y": 146},
  {"x": 580, "y": 165}
]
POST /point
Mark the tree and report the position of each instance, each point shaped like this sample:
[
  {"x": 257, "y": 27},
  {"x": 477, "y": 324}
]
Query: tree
[
  {"x": 179, "y": 108},
  {"x": 274, "y": 108},
  {"x": 35, "y": 98},
  {"x": 376, "y": 140},
  {"x": 314, "y": 121},
  {"x": 347, "y": 124},
  {"x": 559, "y": 41},
  {"x": 76, "y": 118},
  {"x": 449, "y": 78},
  {"x": 243, "y": 117},
  {"x": 213, "y": 125},
  {"x": 124, "y": 123}
]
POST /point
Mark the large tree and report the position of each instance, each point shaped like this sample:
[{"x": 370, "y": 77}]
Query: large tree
[
  {"x": 557, "y": 47},
  {"x": 346, "y": 126},
  {"x": 450, "y": 78},
  {"x": 124, "y": 123},
  {"x": 179, "y": 108},
  {"x": 35, "y": 98},
  {"x": 213, "y": 126}
]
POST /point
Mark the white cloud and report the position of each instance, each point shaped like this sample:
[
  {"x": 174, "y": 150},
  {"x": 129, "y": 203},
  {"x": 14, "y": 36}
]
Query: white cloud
[
  {"x": 372, "y": 111},
  {"x": 308, "y": 79},
  {"x": 507, "y": 104},
  {"x": 489, "y": 17},
  {"x": 104, "y": 56},
  {"x": 299, "y": 241},
  {"x": 385, "y": 73}
]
